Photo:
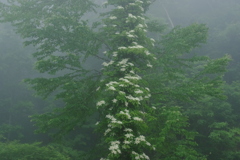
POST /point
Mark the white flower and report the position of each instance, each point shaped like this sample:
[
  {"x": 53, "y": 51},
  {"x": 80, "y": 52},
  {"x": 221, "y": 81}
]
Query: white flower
[
  {"x": 122, "y": 48},
  {"x": 135, "y": 43},
  {"x": 138, "y": 1},
  {"x": 128, "y": 130},
  {"x": 154, "y": 107},
  {"x": 140, "y": 26},
  {"x": 105, "y": 64},
  {"x": 121, "y": 92},
  {"x": 124, "y": 80},
  {"x": 120, "y": 7},
  {"x": 126, "y": 113},
  {"x": 138, "y": 91},
  {"x": 137, "y": 119},
  {"x": 136, "y": 77},
  {"x": 132, "y": 98},
  {"x": 114, "y": 148},
  {"x": 126, "y": 104},
  {"x": 110, "y": 117},
  {"x": 134, "y": 153},
  {"x": 141, "y": 18},
  {"x": 123, "y": 69},
  {"x": 130, "y": 35},
  {"x": 106, "y": 2},
  {"x": 149, "y": 65},
  {"x": 126, "y": 142},
  {"x": 112, "y": 88},
  {"x": 128, "y": 135},
  {"x": 124, "y": 61},
  {"x": 147, "y": 53},
  {"x": 139, "y": 139},
  {"x": 137, "y": 46},
  {"x": 107, "y": 131},
  {"x": 113, "y": 17},
  {"x": 132, "y": 4},
  {"x": 141, "y": 8},
  {"x": 147, "y": 143},
  {"x": 148, "y": 96},
  {"x": 114, "y": 54},
  {"x": 130, "y": 64},
  {"x": 114, "y": 100},
  {"x": 152, "y": 39},
  {"x": 100, "y": 103},
  {"x": 132, "y": 16},
  {"x": 111, "y": 62}
]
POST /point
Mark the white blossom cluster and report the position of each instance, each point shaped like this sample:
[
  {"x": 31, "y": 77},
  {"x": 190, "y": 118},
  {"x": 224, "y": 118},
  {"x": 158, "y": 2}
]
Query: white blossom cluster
[
  {"x": 130, "y": 35},
  {"x": 113, "y": 17},
  {"x": 133, "y": 77},
  {"x": 126, "y": 113},
  {"x": 140, "y": 156},
  {"x": 120, "y": 7},
  {"x": 137, "y": 119},
  {"x": 124, "y": 64},
  {"x": 137, "y": 46},
  {"x": 147, "y": 52},
  {"x": 100, "y": 103},
  {"x": 149, "y": 65},
  {"x": 131, "y": 16},
  {"x": 114, "y": 147},
  {"x": 114, "y": 54},
  {"x": 105, "y": 64},
  {"x": 138, "y": 99},
  {"x": 110, "y": 85},
  {"x": 139, "y": 139},
  {"x": 138, "y": 1},
  {"x": 113, "y": 119}
]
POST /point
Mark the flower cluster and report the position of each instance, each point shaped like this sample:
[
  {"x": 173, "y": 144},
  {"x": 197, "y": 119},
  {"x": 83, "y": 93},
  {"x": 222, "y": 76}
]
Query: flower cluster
[
  {"x": 114, "y": 147},
  {"x": 140, "y": 156},
  {"x": 100, "y": 103},
  {"x": 125, "y": 113}
]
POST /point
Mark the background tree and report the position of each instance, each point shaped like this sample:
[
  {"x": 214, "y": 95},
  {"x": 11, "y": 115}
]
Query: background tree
[{"x": 187, "y": 85}]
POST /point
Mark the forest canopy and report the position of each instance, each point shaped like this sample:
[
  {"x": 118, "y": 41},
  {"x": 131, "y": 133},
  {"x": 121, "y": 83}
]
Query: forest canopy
[{"x": 119, "y": 82}]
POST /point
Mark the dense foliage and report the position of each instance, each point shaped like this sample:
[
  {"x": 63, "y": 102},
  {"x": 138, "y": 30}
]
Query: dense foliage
[{"x": 139, "y": 85}]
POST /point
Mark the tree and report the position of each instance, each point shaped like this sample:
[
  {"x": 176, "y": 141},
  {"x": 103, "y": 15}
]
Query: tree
[
  {"x": 139, "y": 74},
  {"x": 16, "y": 151}
]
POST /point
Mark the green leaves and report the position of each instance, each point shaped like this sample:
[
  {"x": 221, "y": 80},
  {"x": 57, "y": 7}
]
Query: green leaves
[
  {"x": 183, "y": 40},
  {"x": 16, "y": 151}
]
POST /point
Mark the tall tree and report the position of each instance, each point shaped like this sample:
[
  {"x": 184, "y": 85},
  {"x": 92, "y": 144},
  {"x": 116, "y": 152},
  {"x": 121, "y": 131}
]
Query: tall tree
[
  {"x": 124, "y": 108},
  {"x": 137, "y": 72}
]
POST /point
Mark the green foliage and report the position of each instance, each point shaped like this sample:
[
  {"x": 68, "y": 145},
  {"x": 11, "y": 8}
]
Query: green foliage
[
  {"x": 203, "y": 126},
  {"x": 16, "y": 151},
  {"x": 174, "y": 140}
]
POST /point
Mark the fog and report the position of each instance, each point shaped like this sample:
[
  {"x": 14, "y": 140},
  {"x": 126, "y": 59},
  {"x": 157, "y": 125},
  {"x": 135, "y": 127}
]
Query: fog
[{"x": 19, "y": 101}]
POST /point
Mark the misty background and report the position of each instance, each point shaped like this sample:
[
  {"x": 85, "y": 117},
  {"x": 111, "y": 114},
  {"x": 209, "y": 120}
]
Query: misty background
[{"x": 18, "y": 101}]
